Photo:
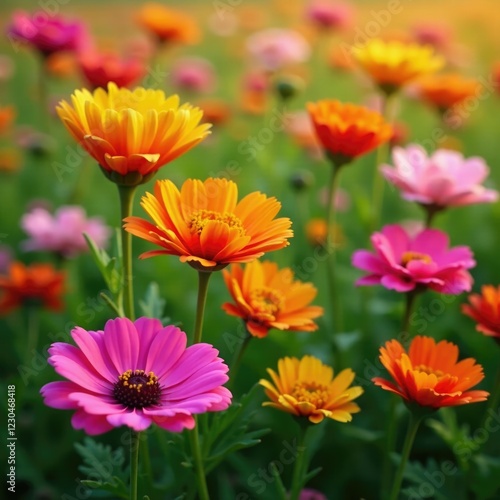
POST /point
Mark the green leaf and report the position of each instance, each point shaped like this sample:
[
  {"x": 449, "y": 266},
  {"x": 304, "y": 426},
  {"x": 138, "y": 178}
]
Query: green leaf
[
  {"x": 311, "y": 474},
  {"x": 153, "y": 305},
  {"x": 116, "y": 486}
]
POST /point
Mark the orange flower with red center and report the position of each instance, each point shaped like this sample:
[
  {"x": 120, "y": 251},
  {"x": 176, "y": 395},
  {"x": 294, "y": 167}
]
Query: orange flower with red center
[
  {"x": 206, "y": 226},
  {"x": 307, "y": 388},
  {"x": 429, "y": 374},
  {"x": 35, "y": 284},
  {"x": 346, "y": 130},
  {"x": 168, "y": 25},
  {"x": 484, "y": 308},
  {"x": 267, "y": 297}
]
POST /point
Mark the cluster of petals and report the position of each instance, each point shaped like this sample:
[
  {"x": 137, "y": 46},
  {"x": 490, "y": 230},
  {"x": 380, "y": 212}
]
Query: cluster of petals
[{"x": 484, "y": 309}]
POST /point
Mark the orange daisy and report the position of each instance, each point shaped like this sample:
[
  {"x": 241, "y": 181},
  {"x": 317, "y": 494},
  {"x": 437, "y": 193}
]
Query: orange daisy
[
  {"x": 484, "y": 308},
  {"x": 430, "y": 374},
  {"x": 307, "y": 388},
  {"x": 346, "y": 130},
  {"x": 35, "y": 284},
  {"x": 268, "y": 297},
  {"x": 206, "y": 226}
]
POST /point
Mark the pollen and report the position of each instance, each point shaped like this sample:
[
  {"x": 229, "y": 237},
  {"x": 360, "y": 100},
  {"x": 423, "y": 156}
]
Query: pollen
[
  {"x": 200, "y": 218},
  {"x": 409, "y": 256},
  {"x": 266, "y": 301},
  {"x": 137, "y": 389},
  {"x": 311, "y": 392},
  {"x": 430, "y": 371}
]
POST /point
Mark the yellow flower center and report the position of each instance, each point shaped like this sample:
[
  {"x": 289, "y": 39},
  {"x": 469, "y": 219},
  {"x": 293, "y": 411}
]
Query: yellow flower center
[
  {"x": 428, "y": 370},
  {"x": 137, "y": 389},
  {"x": 266, "y": 301},
  {"x": 409, "y": 256},
  {"x": 311, "y": 392},
  {"x": 200, "y": 218}
]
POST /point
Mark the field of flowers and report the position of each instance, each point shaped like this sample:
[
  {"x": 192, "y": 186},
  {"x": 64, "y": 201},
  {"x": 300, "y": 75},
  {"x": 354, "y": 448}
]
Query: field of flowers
[{"x": 248, "y": 249}]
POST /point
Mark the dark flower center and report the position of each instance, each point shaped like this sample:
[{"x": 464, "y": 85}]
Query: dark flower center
[{"x": 137, "y": 389}]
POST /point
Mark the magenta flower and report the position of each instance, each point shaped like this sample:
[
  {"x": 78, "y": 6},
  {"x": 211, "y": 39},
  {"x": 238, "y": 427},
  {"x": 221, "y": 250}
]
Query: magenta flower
[
  {"x": 441, "y": 180},
  {"x": 194, "y": 74},
  {"x": 62, "y": 232},
  {"x": 329, "y": 15},
  {"x": 46, "y": 33},
  {"x": 403, "y": 263},
  {"x": 135, "y": 374}
]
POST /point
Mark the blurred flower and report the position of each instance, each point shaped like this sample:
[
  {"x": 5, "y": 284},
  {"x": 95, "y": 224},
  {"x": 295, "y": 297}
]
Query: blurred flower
[
  {"x": 405, "y": 263},
  {"x": 340, "y": 58},
  {"x": 399, "y": 134},
  {"x": 193, "y": 74},
  {"x": 101, "y": 68},
  {"x": 484, "y": 309},
  {"x": 393, "y": 64},
  {"x": 168, "y": 25},
  {"x": 307, "y": 388},
  {"x": 225, "y": 25},
  {"x": 135, "y": 374},
  {"x": 429, "y": 374},
  {"x": 255, "y": 88},
  {"x": 442, "y": 180},
  {"x": 6, "y": 257},
  {"x": 7, "y": 117},
  {"x": 33, "y": 141},
  {"x": 317, "y": 233},
  {"x": 342, "y": 201},
  {"x": 300, "y": 127},
  {"x": 427, "y": 33},
  {"x": 301, "y": 180},
  {"x": 132, "y": 133},
  {"x": 267, "y": 297},
  {"x": 215, "y": 111},
  {"x": 47, "y": 34},
  {"x": 61, "y": 64},
  {"x": 288, "y": 86},
  {"x": 38, "y": 284},
  {"x": 329, "y": 15},
  {"x": 310, "y": 494},
  {"x": 447, "y": 90},
  {"x": 10, "y": 160},
  {"x": 346, "y": 130},
  {"x": 206, "y": 226},
  {"x": 6, "y": 68},
  {"x": 62, "y": 232},
  {"x": 275, "y": 48}
]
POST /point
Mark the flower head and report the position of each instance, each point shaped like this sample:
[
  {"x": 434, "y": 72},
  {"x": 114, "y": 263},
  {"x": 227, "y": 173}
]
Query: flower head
[
  {"x": 307, "y": 388},
  {"x": 135, "y": 374},
  {"x": 267, "y": 297},
  {"x": 35, "y": 284},
  {"x": 346, "y": 130},
  {"x": 429, "y": 374},
  {"x": 132, "y": 133},
  {"x": 206, "y": 226},
  {"x": 484, "y": 309},
  {"x": 440, "y": 180},
  {"x": 329, "y": 15},
  {"x": 62, "y": 232},
  {"x": 403, "y": 263},
  {"x": 392, "y": 64},
  {"x": 193, "y": 74}
]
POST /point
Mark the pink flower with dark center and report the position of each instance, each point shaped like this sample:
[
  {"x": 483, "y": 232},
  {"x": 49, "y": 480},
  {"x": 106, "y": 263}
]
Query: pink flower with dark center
[
  {"x": 135, "y": 374},
  {"x": 193, "y": 74},
  {"x": 440, "y": 180},
  {"x": 403, "y": 263},
  {"x": 330, "y": 15},
  {"x": 62, "y": 232}
]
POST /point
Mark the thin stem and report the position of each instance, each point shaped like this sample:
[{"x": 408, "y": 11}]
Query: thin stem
[
  {"x": 238, "y": 356},
  {"x": 410, "y": 301},
  {"x": 134, "y": 463},
  {"x": 146, "y": 462},
  {"x": 126, "y": 202},
  {"x": 203, "y": 278},
  {"x": 33, "y": 329},
  {"x": 300, "y": 465},
  {"x": 413, "y": 425},
  {"x": 201, "y": 480}
]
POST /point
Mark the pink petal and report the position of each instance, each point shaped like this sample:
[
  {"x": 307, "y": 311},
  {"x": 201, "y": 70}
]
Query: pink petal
[
  {"x": 176, "y": 423},
  {"x": 394, "y": 242},
  {"x": 134, "y": 419},
  {"x": 431, "y": 242},
  {"x": 393, "y": 282},
  {"x": 122, "y": 343},
  {"x": 365, "y": 260},
  {"x": 55, "y": 395},
  {"x": 166, "y": 348},
  {"x": 91, "y": 424},
  {"x": 96, "y": 405},
  {"x": 147, "y": 329}
]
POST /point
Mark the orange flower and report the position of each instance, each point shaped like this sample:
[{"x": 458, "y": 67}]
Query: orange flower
[
  {"x": 215, "y": 111},
  {"x": 346, "y": 130},
  {"x": 267, "y": 297},
  {"x": 168, "y": 25},
  {"x": 430, "y": 374},
  {"x": 206, "y": 226},
  {"x": 485, "y": 310},
  {"x": 445, "y": 91},
  {"x": 38, "y": 283},
  {"x": 317, "y": 232},
  {"x": 132, "y": 133},
  {"x": 10, "y": 160},
  {"x": 7, "y": 115},
  {"x": 307, "y": 388}
]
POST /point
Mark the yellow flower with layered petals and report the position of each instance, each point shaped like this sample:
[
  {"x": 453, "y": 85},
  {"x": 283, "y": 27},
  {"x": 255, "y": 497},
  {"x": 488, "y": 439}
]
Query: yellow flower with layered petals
[{"x": 308, "y": 388}]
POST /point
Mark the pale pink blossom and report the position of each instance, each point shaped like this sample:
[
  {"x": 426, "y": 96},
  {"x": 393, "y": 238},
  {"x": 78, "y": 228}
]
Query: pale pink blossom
[{"x": 193, "y": 74}]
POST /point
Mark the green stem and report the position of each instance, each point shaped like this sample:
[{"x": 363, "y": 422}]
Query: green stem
[
  {"x": 201, "y": 480},
  {"x": 413, "y": 425},
  {"x": 32, "y": 313},
  {"x": 203, "y": 278},
  {"x": 410, "y": 301},
  {"x": 300, "y": 466},
  {"x": 146, "y": 463},
  {"x": 134, "y": 463},
  {"x": 126, "y": 202},
  {"x": 238, "y": 356}
]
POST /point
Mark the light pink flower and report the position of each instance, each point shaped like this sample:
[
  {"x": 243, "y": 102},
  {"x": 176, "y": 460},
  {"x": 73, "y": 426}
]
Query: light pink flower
[
  {"x": 403, "y": 263},
  {"x": 442, "y": 179},
  {"x": 135, "y": 374},
  {"x": 275, "y": 48},
  {"x": 62, "y": 232},
  {"x": 193, "y": 74},
  {"x": 329, "y": 15}
]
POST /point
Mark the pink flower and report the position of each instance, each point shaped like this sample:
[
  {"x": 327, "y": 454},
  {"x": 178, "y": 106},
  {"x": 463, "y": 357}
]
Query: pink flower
[
  {"x": 403, "y": 263},
  {"x": 193, "y": 74},
  {"x": 62, "y": 232},
  {"x": 46, "y": 33},
  {"x": 135, "y": 374},
  {"x": 441, "y": 180},
  {"x": 329, "y": 15},
  {"x": 310, "y": 494},
  {"x": 274, "y": 48}
]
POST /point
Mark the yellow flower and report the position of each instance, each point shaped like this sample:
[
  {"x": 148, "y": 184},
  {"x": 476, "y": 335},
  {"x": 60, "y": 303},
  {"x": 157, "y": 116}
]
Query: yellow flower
[
  {"x": 132, "y": 133},
  {"x": 307, "y": 388},
  {"x": 392, "y": 64}
]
